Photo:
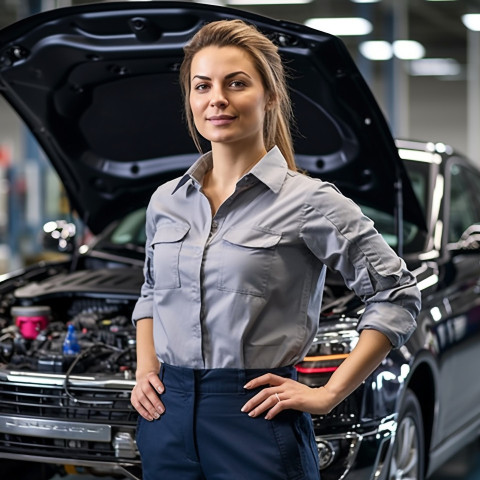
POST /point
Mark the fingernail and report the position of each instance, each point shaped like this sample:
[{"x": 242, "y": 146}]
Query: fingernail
[
  {"x": 243, "y": 409},
  {"x": 156, "y": 415},
  {"x": 160, "y": 410},
  {"x": 160, "y": 389},
  {"x": 251, "y": 414},
  {"x": 247, "y": 385}
]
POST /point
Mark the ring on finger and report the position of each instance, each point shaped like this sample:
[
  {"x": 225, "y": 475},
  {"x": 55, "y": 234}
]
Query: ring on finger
[{"x": 277, "y": 397}]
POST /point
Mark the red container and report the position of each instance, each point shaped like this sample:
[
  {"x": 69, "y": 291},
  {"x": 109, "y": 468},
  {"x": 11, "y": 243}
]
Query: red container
[{"x": 31, "y": 320}]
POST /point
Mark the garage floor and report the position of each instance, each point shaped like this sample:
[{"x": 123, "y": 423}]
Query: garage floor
[{"x": 464, "y": 466}]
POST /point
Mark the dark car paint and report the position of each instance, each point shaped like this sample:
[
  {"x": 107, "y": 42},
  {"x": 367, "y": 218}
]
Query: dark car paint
[{"x": 440, "y": 361}]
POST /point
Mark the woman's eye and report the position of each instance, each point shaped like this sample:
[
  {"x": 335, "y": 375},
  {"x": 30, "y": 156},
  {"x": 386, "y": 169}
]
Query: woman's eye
[
  {"x": 237, "y": 84},
  {"x": 201, "y": 86}
]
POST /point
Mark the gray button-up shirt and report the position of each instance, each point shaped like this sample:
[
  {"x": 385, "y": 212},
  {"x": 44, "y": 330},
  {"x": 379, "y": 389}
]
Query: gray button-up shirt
[{"x": 244, "y": 289}]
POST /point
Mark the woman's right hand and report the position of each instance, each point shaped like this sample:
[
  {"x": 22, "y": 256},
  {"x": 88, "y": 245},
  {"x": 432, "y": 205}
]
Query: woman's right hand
[{"x": 145, "y": 395}]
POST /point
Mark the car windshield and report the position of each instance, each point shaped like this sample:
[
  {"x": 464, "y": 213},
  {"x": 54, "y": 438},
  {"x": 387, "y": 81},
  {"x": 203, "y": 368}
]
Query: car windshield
[
  {"x": 130, "y": 232},
  {"x": 413, "y": 236}
]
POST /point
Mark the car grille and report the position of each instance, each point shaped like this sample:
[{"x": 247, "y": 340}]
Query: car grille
[{"x": 51, "y": 403}]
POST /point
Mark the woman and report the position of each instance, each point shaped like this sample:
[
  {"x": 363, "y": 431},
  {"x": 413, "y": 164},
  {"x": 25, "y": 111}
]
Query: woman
[{"x": 236, "y": 256}]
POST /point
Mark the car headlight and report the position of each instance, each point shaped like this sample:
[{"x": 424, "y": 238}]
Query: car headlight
[{"x": 332, "y": 344}]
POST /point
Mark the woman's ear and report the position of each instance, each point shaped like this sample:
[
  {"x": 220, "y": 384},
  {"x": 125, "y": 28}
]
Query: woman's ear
[{"x": 270, "y": 104}]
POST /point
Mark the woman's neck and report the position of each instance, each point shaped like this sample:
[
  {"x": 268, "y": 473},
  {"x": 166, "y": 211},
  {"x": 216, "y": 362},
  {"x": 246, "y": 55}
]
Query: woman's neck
[{"x": 229, "y": 165}]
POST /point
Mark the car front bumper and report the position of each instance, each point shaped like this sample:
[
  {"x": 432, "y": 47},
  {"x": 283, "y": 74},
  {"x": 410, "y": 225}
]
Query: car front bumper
[{"x": 357, "y": 454}]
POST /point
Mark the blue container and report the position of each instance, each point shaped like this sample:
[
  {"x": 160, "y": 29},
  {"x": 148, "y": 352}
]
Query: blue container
[{"x": 70, "y": 344}]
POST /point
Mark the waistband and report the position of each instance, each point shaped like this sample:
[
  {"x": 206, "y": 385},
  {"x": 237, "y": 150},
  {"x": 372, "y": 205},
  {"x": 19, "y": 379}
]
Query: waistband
[{"x": 216, "y": 380}]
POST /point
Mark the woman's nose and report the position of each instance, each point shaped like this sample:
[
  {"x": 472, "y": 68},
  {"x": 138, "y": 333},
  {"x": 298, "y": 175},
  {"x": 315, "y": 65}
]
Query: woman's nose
[{"x": 218, "y": 99}]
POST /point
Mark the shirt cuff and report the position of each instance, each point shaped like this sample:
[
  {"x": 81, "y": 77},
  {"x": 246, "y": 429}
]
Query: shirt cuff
[
  {"x": 396, "y": 323},
  {"x": 143, "y": 309}
]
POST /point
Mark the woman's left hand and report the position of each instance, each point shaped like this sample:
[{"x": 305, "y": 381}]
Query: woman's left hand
[{"x": 285, "y": 393}]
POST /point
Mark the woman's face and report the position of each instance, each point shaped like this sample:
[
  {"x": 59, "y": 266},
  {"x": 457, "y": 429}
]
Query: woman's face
[{"x": 227, "y": 97}]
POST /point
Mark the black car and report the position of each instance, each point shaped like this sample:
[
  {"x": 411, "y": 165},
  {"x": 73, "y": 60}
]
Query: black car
[{"x": 98, "y": 87}]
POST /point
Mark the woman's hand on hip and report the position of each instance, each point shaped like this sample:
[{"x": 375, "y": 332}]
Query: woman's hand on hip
[
  {"x": 284, "y": 393},
  {"x": 145, "y": 395}
]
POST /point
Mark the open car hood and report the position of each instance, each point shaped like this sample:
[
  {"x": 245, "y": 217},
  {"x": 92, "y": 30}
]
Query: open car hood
[{"x": 98, "y": 87}]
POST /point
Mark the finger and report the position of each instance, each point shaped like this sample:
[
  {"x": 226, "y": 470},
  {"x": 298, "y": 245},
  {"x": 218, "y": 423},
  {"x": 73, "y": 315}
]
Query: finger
[
  {"x": 141, "y": 410},
  {"x": 156, "y": 382},
  {"x": 272, "y": 405},
  {"x": 145, "y": 395},
  {"x": 258, "y": 399},
  {"x": 269, "y": 402},
  {"x": 266, "y": 379},
  {"x": 283, "y": 403},
  {"x": 276, "y": 409},
  {"x": 137, "y": 405}
]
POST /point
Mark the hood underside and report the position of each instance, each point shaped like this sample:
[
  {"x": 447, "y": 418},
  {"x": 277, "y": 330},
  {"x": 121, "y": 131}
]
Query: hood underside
[{"x": 98, "y": 87}]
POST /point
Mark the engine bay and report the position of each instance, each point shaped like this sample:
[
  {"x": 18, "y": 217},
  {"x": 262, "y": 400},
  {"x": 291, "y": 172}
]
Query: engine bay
[{"x": 98, "y": 306}]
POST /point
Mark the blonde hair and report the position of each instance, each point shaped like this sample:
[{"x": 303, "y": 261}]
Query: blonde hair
[{"x": 236, "y": 33}]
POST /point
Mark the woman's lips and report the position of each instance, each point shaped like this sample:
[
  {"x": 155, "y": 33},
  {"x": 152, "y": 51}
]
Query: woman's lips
[{"x": 219, "y": 120}]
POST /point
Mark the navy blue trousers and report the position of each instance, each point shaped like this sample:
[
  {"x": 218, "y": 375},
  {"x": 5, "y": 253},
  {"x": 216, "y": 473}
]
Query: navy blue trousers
[{"x": 203, "y": 435}]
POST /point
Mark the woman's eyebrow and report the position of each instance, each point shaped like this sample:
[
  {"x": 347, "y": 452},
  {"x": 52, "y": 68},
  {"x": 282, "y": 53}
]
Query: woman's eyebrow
[
  {"x": 201, "y": 77},
  {"x": 230, "y": 75},
  {"x": 234, "y": 74}
]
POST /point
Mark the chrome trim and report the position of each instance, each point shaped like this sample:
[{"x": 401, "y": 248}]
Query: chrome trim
[
  {"x": 125, "y": 445},
  {"x": 120, "y": 468},
  {"x": 55, "y": 429},
  {"x": 352, "y": 452},
  {"x": 33, "y": 378},
  {"x": 383, "y": 433}
]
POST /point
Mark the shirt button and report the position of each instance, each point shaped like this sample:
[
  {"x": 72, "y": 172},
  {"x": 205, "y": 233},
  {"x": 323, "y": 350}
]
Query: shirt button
[{"x": 214, "y": 226}]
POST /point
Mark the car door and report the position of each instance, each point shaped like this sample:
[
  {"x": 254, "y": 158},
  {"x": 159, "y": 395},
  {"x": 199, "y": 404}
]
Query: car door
[{"x": 458, "y": 333}]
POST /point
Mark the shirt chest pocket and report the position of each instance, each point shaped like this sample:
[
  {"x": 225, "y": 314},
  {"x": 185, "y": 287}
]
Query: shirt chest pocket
[
  {"x": 166, "y": 245},
  {"x": 246, "y": 261}
]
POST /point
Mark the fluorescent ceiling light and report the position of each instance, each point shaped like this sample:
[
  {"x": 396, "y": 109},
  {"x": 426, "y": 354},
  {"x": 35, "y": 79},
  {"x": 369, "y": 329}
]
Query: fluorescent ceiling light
[
  {"x": 267, "y": 2},
  {"x": 472, "y": 21},
  {"x": 341, "y": 26},
  {"x": 365, "y": 1},
  {"x": 435, "y": 67},
  {"x": 382, "y": 50},
  {"x": 408, "y": 49},
  {"x": 376, "y": 50}
]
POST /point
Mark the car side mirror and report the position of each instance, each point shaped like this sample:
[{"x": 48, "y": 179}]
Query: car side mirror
[
  {"x": 59, "y": 235},
  {"x": 469, "y": 241}
]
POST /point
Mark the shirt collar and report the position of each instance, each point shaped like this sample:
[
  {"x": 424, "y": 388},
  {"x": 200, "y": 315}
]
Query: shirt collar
[
  {"x": 197, "y": 171},
  {"x": 270, "y": 170}
]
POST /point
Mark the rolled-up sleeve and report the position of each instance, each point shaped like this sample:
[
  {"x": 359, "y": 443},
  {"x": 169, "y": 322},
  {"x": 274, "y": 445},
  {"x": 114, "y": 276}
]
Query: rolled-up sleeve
[
  {"x": 144, "y": 306},
  {"x": 337, "y": 233}
]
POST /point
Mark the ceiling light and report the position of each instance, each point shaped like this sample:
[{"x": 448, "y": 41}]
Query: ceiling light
[
  {"x": 341, "y": 26},
  {"x": 434, "y": 67},
  {"x": 267, "y": 2},
  {"x": 376, "y": 50},
  {"x": 408, "y": 49},
  {"x": 365, "y": 1},
  {"x": 472, "y": 21}
]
